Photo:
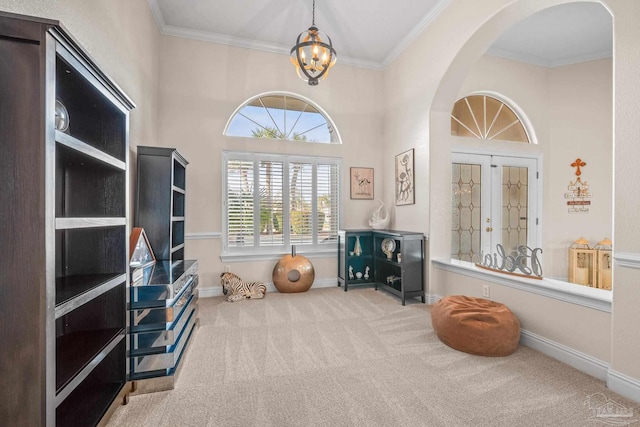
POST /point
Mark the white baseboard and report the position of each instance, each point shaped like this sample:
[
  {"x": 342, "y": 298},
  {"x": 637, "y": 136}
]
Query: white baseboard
[
  {"x": 616, "y": 381},
  {"x": 432, "y": 299},
  {"x": 216, "y": 291},
  {"x": 623, "y": 385},
  {"x": 581, "y": 361}
]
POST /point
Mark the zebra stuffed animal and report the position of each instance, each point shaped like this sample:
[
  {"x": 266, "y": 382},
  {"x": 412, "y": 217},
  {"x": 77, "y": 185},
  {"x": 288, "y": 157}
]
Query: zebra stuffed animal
[{"x": 238, "y": 289}]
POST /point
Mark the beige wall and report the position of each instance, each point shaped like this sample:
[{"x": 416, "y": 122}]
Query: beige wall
[
  {"x": 626, "y": 298},
  {"x": 420, "y": 88},
  {"x": 201, "y": 85},
  {"x": 570, "y": 110},
  {"x": 580, "y": 126},
  {"x": 123, "y": 38}
]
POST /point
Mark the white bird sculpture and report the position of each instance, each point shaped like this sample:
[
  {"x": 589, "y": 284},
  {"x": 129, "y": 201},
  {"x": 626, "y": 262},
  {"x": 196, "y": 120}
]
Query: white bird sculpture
[{"x": 380, "y": 218}]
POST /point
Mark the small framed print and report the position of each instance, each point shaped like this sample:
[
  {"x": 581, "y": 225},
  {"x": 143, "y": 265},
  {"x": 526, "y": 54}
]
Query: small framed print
[
  {"x": 362, "y": 183},
  {"x": 405, "y": 190}
]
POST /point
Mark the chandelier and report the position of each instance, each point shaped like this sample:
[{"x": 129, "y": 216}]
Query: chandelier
[{"x": 312, "y": 55}]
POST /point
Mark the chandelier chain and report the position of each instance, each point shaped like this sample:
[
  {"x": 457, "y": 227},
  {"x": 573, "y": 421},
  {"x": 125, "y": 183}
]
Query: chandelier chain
[{"x": 313, "y": 14}]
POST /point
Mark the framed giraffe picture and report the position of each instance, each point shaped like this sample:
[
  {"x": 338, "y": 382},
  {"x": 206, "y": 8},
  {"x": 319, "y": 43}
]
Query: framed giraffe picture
[{"x": 362, "y": 183}]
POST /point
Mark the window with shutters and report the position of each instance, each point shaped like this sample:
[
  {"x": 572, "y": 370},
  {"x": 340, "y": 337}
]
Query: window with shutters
[{"x": 275, "y": 201}]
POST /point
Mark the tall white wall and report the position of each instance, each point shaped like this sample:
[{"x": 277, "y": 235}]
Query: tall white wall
[
  {"x": 201, "y": 85},
  {"x": 570, "y": 109},
  {"x": 420, "y": 88},
  {"x": 580, "y": 126}
]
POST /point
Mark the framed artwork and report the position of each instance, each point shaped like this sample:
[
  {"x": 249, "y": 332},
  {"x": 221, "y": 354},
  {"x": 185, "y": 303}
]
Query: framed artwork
[
  {"x": 405, "y": 184},
  {"x": 362, "y": 183}
]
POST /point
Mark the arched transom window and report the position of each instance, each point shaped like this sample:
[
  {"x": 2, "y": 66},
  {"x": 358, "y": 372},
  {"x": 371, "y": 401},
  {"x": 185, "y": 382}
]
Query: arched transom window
[
  {"x": 486, "y": 117},
  {"x": 282, "y": 116}
]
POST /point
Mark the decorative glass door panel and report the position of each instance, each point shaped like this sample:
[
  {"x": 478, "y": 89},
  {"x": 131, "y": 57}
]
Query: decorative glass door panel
[
  {"x": 514, "y": 206},
  {"x": 493, "y": 199},
  {"x": 466, "y": 187}
]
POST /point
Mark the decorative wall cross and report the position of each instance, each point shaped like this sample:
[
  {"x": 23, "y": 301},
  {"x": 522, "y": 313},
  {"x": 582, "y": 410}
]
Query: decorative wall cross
[{"x": 577, "y": 164}]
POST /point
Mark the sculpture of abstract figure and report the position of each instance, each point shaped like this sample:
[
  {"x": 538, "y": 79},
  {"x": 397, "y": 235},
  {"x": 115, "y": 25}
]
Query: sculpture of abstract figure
[
  {"x": 351, "y": 276},
  {"x": 366, "y": 272},
  {"x": 238, "y": 289},
  {"x": 380, "y": 218}
]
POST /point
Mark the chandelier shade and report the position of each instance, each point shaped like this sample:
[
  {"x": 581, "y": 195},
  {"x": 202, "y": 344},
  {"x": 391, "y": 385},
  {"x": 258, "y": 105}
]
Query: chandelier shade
[{"x": 313, "y": 55}]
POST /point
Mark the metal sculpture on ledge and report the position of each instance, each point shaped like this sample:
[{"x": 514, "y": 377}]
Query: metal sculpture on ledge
[{"x": 293, "y": 273}]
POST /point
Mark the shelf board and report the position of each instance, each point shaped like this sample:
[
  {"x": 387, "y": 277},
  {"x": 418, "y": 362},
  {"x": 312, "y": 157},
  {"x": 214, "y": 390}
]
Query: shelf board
[
  {"x": 387, "y": 261},
  {"x": 177, "y": 218},
  {"x": 74, "y": 291},
  {"x": 70, "y": 223},
  {"x": 78, "y": 353},
  {"x": 363, "y": 256},
  {"x": 177, "y": 247},
  {"x": 76, "y": 144},
  {"x": 178, "y": 190},
  {"x": 90, "y": 409}
]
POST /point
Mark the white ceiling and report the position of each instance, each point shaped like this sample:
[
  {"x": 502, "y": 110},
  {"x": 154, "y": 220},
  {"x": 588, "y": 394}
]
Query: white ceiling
[{"x": 371, "y": 33}]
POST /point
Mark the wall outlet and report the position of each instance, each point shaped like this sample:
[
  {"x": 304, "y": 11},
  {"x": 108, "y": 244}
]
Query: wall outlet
[
  {"x": 485, "y": 291},
  {"x": 227, "y": 268}
]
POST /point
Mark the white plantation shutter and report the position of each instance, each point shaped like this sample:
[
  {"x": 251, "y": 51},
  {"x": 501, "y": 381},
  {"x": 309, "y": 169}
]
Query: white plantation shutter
[
  {"x": 328, "y": 200},
  {"x": 240, "y": 203},
  {"x": 301, "y": 203},
  {"x": 271, "y": 217},
  {"x": 275, "y": 201}
]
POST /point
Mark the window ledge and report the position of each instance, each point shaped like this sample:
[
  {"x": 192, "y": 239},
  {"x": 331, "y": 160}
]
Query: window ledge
[
  {"x": 231, "y": 258},
  {"x": 598, "y": 299}
]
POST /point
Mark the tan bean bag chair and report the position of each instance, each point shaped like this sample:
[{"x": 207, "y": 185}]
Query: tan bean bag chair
[{"x": 476, "y": 325}]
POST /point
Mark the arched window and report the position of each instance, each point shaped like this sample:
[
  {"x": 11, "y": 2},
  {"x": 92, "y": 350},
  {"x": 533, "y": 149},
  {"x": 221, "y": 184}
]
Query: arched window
[
  {"x": 486, "y": 117},
  {"x": 279, "y": 115},
  {"x": 272, "y": 201}
]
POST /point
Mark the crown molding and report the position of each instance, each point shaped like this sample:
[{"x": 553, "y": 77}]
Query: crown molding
[
  {"x": 415, "y": 32},
  {"x": 224, "y": 39},
  {"x": 542, "y": 62},
  {"x": 228, "y": 40},
  {"x": 627, "y": 259}
]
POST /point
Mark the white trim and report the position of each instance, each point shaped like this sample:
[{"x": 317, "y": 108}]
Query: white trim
[
  {"x": 623, "y": 385},
  {"x": 171, "y": 30},
  {"x": 157, "y": 13},
  {"x": 216, "y": 291},
  {"x": 627, "y": 259},
  {"x": 545, "y": 62},
  {"x": 204, "y": 235},
  {"x": 581, "y": 361},
  {"x": 435, "y": 11},
  {"x": 248, "y": 257},
  {"x": 597, "y": 299},
  {"x": 224, "y": 39}
]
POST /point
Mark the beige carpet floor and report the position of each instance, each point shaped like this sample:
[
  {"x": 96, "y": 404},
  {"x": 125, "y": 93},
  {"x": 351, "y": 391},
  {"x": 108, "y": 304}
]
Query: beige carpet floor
[{"x": 330, "y": 358}]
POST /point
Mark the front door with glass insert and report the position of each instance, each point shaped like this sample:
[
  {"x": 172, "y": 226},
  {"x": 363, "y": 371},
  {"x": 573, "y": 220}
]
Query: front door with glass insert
[{"x": 494, "y": 201}]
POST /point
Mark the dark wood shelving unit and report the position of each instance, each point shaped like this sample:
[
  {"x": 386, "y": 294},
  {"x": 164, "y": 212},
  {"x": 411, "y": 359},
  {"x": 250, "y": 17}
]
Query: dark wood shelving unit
[
  {"x": 403, "y": 277},
  {"x": 163, "y": 305},
  {"x": 64, "y": 281}
]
